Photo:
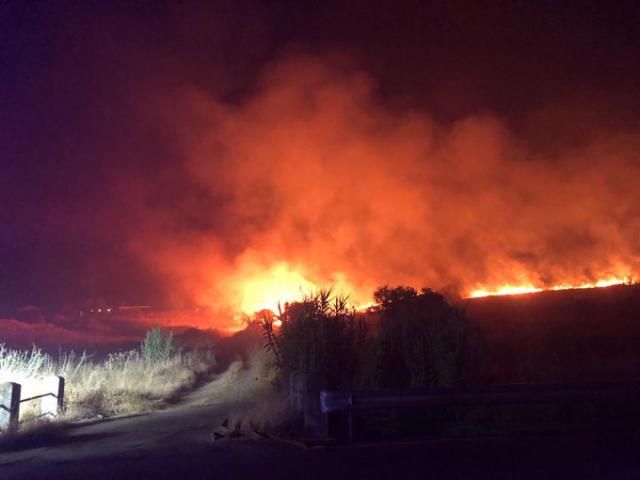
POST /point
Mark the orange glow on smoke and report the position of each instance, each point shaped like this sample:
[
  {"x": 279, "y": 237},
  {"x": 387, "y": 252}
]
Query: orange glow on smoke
[{"x": 312, "y": 182}]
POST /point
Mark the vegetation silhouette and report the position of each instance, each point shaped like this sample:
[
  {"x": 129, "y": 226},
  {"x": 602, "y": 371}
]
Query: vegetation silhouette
[
  {"x": 322, "y": 335},
  {"x": 419, "y": 340}
]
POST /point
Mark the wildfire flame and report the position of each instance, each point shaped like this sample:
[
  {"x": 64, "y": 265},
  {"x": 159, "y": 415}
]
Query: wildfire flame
[
  {"x": 530, "y": 288},
  {"x": 281, "y": 283},
  {"x": 277, "y": 285}
]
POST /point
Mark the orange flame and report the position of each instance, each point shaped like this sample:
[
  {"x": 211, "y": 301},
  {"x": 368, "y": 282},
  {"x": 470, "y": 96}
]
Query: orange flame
[
  {"x": 277, "y": 285},
  {"x": 509, "y": 289},
  {"x": 265, "y": 288},
  {"x": 269, "y": 287}
]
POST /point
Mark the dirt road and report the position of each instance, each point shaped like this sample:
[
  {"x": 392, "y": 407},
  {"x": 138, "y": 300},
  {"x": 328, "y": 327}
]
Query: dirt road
[
  {"x": 191, "y": 423},
  {"x": 176, "y": 443}
]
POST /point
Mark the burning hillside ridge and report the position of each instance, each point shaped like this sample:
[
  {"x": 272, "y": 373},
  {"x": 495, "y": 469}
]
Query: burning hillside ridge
[
  {"x": 529, "y": 288},
  {"x": 314, "y": 180}
]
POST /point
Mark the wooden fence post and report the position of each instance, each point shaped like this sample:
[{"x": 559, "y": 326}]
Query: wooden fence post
[{"x": 9, "y": 406}]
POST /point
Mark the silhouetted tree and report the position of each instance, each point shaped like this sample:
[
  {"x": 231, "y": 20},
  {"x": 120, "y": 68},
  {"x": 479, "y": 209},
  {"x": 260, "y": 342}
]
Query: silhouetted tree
[
  {"x": 320, "y": 335},
  {"x": 421, "y": 339}
]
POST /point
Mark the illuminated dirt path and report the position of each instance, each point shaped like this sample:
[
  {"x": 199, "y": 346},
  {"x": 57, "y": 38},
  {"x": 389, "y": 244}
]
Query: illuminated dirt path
[{"x": 190, "y": 422}]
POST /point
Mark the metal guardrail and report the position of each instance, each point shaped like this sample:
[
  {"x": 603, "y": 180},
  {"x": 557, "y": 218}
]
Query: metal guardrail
[
  {"x": 51, "y": 401},
  {"x": 332, "y": 402}
]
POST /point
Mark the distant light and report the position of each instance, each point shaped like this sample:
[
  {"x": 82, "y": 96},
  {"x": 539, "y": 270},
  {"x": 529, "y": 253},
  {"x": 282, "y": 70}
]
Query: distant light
[{"x": 99, "y": 310}]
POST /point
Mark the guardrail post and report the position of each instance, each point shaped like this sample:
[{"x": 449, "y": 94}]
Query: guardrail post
[
  {"x": 9, "y": 406},
  {"x": 297, "y": 391},
  {"x": 337, "y": 407},
  {"x": 315, "y": 422},
  {"x": 54, "y": 403}
]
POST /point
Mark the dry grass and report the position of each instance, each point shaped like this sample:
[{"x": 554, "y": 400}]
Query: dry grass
[{"x": 124, "y": 383}]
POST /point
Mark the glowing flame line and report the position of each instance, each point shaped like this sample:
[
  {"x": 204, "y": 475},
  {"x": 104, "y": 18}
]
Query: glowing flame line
[
  {"x": 510, "y": 289},
  {"x": 279, "y": 284}
]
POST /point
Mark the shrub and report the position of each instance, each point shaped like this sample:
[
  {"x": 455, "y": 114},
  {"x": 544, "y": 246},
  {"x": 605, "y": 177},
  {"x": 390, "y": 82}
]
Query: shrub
[
  {"x": 421, "y": 339},
  {"x": 320, "y": 335}
]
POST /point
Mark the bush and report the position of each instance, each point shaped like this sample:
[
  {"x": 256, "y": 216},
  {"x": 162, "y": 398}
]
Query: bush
[
  {"x": 320, "y": 335},
  {"x": 421, "y": 339},
  {"x": 157, "y": 346}
]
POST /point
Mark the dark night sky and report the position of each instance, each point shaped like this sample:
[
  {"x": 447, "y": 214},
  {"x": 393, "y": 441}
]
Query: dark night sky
[{"x": 81, "y": 83}]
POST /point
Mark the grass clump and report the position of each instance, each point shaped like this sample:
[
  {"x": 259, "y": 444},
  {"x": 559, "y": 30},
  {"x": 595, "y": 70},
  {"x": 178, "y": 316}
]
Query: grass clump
[{"x": 157, "y": 346}]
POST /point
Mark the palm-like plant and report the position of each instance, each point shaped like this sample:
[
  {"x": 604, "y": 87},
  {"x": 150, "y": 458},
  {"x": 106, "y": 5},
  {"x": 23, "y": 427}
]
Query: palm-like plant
[{"x": 319, "y": 335}]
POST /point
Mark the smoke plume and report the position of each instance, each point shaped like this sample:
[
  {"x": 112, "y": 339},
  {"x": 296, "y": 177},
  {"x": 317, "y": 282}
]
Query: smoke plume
[{"x": 313, "y": 180}]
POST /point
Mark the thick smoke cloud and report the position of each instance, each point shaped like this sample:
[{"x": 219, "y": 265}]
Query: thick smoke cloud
[
  {"x": 171, "y": 153},
  {"x": 314, "y": 171}
]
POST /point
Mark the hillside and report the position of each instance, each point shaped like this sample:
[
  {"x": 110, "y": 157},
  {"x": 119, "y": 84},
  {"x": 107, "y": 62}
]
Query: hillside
[{"x": 558, "y": 336}]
